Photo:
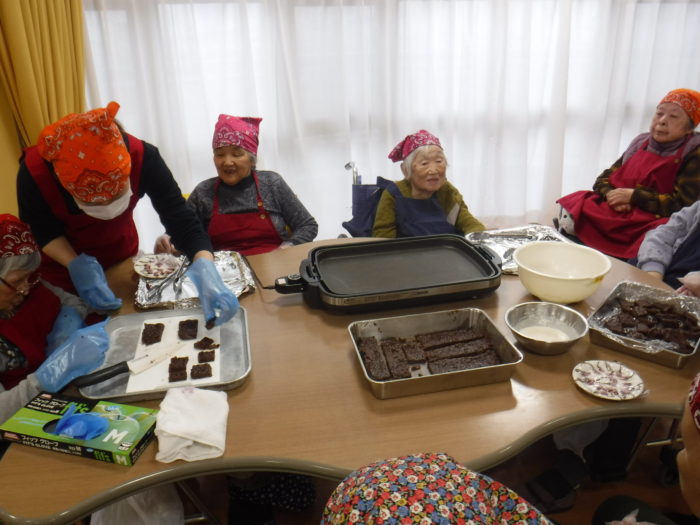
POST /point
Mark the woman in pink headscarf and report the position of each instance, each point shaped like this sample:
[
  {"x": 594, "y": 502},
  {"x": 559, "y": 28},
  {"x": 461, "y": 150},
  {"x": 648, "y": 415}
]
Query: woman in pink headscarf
[
  {"x": 424, "y": 203},
  {"x": 243, "y": 209}
]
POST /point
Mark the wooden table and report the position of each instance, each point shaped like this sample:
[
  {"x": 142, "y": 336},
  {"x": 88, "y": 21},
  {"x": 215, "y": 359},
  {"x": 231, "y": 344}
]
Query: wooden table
[{"x": 307, "y": 408}]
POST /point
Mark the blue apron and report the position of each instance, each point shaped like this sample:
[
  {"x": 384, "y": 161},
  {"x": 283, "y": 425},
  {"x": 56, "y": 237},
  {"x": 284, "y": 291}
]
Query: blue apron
[{"x": 419, "y": 216}]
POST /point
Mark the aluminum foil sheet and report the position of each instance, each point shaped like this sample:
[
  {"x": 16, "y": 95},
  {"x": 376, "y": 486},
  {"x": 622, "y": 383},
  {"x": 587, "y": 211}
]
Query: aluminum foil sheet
[
  {"x": 664, "y": 352},
  {"x": 234, "y": 271},
  {"x": 505, "y": 241}
]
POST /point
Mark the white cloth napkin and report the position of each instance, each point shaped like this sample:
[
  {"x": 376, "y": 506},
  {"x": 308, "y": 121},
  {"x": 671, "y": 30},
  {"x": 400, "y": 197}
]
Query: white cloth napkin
[{"x": 191, "y": 424}]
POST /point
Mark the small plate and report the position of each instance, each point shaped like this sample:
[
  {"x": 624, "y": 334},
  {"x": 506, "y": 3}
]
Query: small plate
[
  {"x": 608, "y": 380},
  {"x": 155, "y": 266}
]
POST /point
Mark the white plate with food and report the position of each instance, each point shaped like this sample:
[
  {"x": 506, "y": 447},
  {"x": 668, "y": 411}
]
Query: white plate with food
[
  {"x": 156, "y": 266},
  {"x": 608, "y": 380}
]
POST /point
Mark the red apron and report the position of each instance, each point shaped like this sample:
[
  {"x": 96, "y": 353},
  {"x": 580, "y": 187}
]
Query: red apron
[
  {"x": 109, "y": 241},
  {"x": 620, "y": 234},
  {"x": 27, "y": 330},
  {"x": 247, "y": 233}
]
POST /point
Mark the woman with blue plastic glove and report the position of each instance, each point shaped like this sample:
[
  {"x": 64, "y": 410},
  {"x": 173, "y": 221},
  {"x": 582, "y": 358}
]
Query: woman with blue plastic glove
[
  {"x": 43, "y": 344},
  {"x": 77, "y": 189}
]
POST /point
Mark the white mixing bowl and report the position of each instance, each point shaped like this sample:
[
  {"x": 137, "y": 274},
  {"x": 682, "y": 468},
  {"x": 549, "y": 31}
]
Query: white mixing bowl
[{"x": 560, "y": 272}]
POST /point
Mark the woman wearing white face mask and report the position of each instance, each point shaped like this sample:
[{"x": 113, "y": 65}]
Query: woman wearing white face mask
[{"x": 77, "y": 189}]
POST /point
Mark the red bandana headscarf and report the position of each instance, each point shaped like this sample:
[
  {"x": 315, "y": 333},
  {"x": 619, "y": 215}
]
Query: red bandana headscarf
[
  {"x": 15, "y": 237},
  {"x": 237, "y": 131},
  {"x": 88, "y": 154},
  {"x": 687, "y": 99},
  {"x": 411, "y": 142}
]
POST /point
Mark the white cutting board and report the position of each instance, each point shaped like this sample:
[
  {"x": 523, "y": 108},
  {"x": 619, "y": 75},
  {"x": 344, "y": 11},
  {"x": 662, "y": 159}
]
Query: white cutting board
[{"x": 156, "y": 377}]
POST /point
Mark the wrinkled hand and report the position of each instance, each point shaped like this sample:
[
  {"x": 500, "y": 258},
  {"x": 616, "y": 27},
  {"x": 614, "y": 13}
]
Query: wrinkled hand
[
  {"x": 690, "y": 284},
  {"x": 80, "y": 426},
  {"x": 68, "y": 321},
  {"x": 80, "y": 354},
  {"x": 213, "y": 294},
  {"x": 163, "y": 245},
  {"x": 620, "y": 199},
  {"x": 89, "y": 280}
]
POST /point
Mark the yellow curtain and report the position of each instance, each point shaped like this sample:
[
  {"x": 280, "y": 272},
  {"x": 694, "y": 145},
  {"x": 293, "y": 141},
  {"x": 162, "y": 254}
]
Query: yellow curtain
[{"x": 41, "y": 62}]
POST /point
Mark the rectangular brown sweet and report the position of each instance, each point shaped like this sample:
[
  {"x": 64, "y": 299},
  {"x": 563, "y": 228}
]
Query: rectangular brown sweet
[
  {"x": 206, "y": 343},
  {"x": 396, "y": 360},
  {"x": 177, "y": 375},
  {"x": 454, "y": 364},
  {"x": 152, "y": 333},
  {"x": 206, "y": 356},
  {"x": 447, "y": 337},
  {"x": 187, "y": 329},
  {"x": 200, "y": 371},
  {"x": 178, "y": 363},
  {"x": 375, "y": 364},
  {"x": 458, "y": 350}
]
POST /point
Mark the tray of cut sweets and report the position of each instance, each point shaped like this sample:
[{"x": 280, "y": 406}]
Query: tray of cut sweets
[
  {"x": 191, "y": 353},
  {"x": 429, "y": 352},
  {"x": 649, "y": 323}
]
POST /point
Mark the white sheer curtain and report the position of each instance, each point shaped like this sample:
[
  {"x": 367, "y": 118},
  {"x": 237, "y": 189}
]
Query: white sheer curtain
[{"x": 531, "y": 98}]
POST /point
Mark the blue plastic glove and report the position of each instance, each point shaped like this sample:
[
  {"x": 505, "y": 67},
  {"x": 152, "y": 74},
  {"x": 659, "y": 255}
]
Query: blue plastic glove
[
  {"x": 82, "y": 352},
  {"x": 80, "y": 426},
  {"x": 68, "y": 321},
  {"x": 213, "y": 293},
  {"x": 89, "y": 280}
]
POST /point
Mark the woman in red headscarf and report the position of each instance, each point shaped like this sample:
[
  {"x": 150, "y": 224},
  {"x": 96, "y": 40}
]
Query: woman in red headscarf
[
  {"x": 657, "y": 175},
  {"x": 424, "y": 203},
  {"x": 243, "y": 209}
]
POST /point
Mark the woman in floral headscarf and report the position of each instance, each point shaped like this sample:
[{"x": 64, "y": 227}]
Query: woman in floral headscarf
[
  {"x": 243, "y": 209},
  {"x": 425, "y": 489},
  {"x": 424, "y": 203},
  {"x": 658, "y": 175}
]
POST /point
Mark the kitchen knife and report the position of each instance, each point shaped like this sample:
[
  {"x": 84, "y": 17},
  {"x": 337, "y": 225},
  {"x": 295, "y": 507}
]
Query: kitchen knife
[{"x": 152, "y": 357}]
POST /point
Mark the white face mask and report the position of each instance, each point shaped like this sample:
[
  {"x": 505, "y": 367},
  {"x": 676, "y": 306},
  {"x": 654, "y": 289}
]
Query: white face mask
[{"x": 109, "y": 211}]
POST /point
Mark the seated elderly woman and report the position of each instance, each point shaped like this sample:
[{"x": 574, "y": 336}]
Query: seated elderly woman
[
  {"x": 424, "y": 203},
  {"x": 43, "y": 344},
  {"x": 243, "y": 209},
  {"x": 658, "y": 175},
  {"x": 425, "y": 489}
]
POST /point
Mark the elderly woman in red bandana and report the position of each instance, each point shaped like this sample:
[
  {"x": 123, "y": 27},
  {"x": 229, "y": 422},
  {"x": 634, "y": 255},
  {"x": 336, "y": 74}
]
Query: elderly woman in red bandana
[
  {"x": 244, "y": 209},
  {"x": 424, "y": 203},
  {"x": 43, "y": 344},
  {"x": 658, "y": 175},
  {"x": 77, "y": 189}
]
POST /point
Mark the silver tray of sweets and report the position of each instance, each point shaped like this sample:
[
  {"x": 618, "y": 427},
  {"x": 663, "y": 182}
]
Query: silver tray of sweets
[
  {"x": 506, "y": 240},
  {"x": 232, "y": 267},
  {"x": 668, "y": 347},
  {"x": 231, "y": 365},
  {"x": 426, "y": 375}
]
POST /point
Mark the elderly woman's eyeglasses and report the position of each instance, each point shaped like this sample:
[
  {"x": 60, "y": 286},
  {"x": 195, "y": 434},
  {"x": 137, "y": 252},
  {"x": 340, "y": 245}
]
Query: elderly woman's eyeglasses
[{"x": 25, "y": 285}]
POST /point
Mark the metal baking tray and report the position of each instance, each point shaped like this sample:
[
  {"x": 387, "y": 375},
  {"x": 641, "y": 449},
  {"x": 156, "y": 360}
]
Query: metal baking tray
[
  {"x": 655, "y": 350},
  {"x": 124, "y": 334},
  {"x": 411, "y": 325}
]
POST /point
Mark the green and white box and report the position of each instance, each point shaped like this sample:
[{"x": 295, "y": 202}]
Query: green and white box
[{"x": 123, "y": 431}]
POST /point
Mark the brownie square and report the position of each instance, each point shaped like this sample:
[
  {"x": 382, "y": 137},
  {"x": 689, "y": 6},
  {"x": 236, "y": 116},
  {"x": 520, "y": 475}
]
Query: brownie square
[
  {"x": 375, "y": 364},
  {"x": 206, "y": 356},
  {"x": 395, "y": 359},
  {"x": 458, "y": 350},
  {"x": 447, "y": 337},
  {"x": 187, "y": 329},
  {"x": 152, "y": 333},
  {"x": 205, "y": 343},
  {"x": 177, "y": 375},
  {"x": 210, "y": 323},
  {"x": 178, "y": 363},
  {"x": 200, "y": 371}
]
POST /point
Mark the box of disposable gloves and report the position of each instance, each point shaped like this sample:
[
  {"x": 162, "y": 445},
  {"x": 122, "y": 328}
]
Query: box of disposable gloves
[{"x": 101, "y": 430}]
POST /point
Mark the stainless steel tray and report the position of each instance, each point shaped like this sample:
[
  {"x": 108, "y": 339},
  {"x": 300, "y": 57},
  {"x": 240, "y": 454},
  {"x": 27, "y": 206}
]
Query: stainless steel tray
[
  {"x": 124, "y": 334},
  {"x": 411, "y": 325},
  {"x": 653, "y": 350}
]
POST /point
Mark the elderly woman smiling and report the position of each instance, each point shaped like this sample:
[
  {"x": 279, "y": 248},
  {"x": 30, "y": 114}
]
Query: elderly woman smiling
[
  {"x": 243, "y": 209},
  {"x": 424, "y": 203}
]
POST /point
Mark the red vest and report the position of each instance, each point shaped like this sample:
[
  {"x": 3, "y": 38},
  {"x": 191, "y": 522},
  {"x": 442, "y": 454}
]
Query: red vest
[{"x": 109, "y": 241}]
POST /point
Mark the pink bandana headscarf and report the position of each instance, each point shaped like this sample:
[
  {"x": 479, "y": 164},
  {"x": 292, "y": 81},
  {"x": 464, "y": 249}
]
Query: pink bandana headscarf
[
  {"x": 688, "y": 100},
  {"x": 694, "y": 401},
  {"x": 411, "y": 142},
  {"x": 237, "y": 131},
  {"x": 15, "y": 237}
]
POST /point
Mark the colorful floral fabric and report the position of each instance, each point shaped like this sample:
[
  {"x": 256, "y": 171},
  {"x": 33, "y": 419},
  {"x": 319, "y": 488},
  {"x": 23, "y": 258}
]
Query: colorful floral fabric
[
  {"x": 425, "y": 489},
  {"x": 694, "y": 401},
  {"x": 15, "y": 237},
  {"x": 237, "y": 131},
  {"x": 404, "y": 148},
  {"x": 687, "y": 99}
]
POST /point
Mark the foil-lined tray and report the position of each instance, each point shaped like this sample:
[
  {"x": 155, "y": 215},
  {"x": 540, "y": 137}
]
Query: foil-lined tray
[
  {"x": 505, "y": 241},
  {"x": 234, "y": 271},
  {"x": 659, "y": 351}
]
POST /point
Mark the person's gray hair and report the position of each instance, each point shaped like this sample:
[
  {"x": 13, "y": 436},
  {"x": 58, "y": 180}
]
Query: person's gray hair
[
  {"x": 253, "y": 159},
  {"x": 408, "y": 161},
  {"x": 26, "y": 262}
]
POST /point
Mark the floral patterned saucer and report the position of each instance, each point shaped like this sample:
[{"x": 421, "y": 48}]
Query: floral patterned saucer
[{"x": 608, "y": 380}]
